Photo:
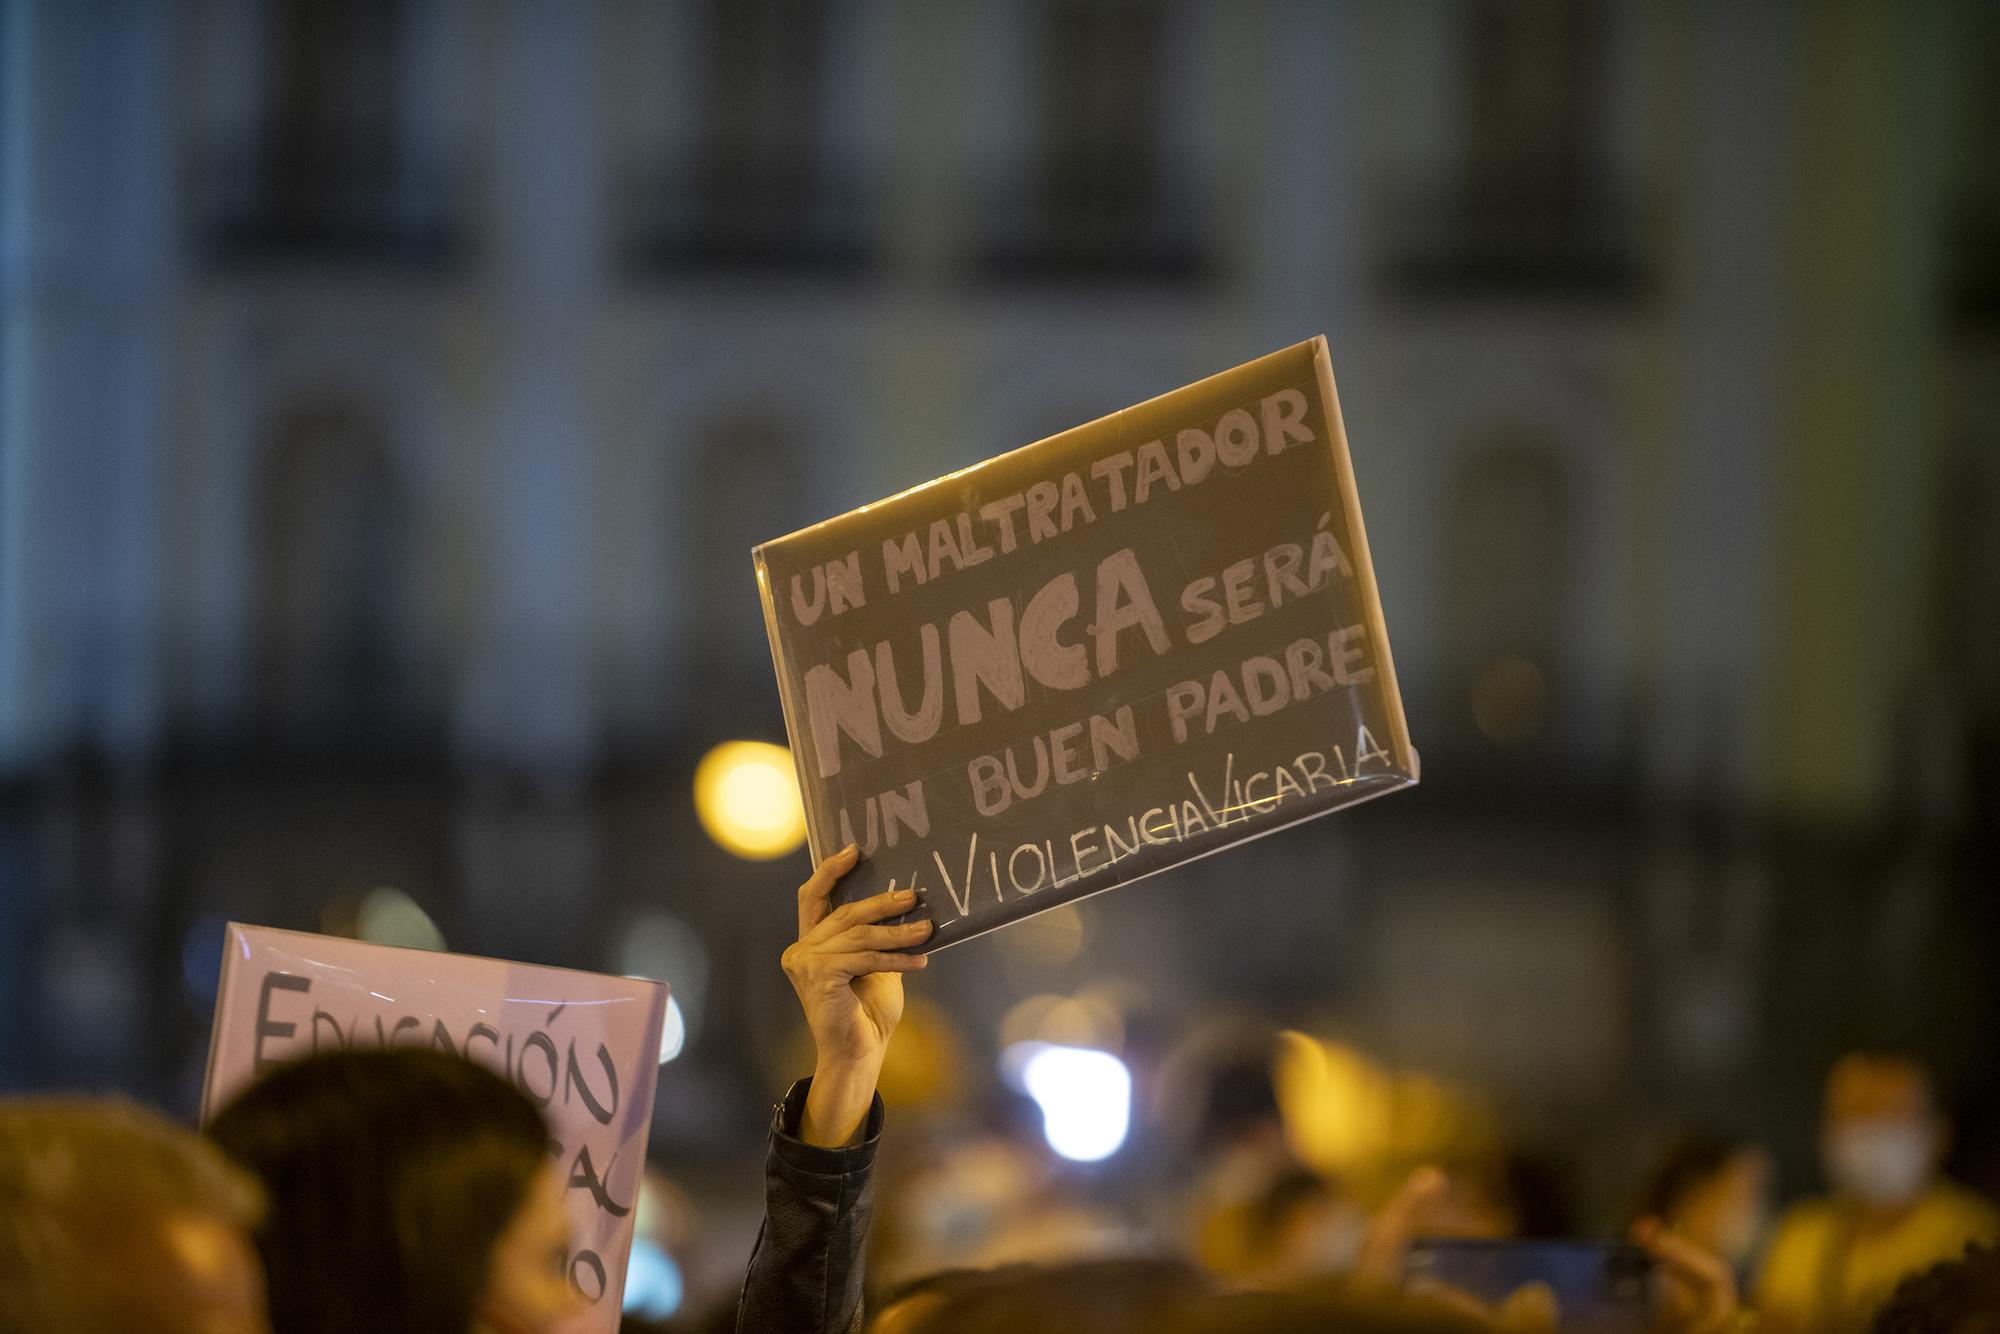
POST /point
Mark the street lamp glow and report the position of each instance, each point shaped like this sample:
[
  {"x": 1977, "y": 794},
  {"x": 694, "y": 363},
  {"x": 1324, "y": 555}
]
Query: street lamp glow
[
  {"x": 388, "y": 916},
  {"x": 1085, "y": 1097},
  {"x": 747, "y": 795}
]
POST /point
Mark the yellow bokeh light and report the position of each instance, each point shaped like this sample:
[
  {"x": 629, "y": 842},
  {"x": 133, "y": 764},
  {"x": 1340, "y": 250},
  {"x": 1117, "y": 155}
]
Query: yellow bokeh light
[
  {"x": 1367, "y": 1125},
  {"x": 1055, "y": 936},
  {"x": 747, "y": 795}
]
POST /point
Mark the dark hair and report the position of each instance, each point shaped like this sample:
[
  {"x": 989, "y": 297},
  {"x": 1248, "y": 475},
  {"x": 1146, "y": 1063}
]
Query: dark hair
[
  {"x": 1537, "y": 1189},
  {"x": 392, "y": 1173},
  {"x": 1319, "y": 1309},
  {"x": 1956, "y": 1297},
  {"x": 1239, "y": 1094},
  {"x": 1688, "y": 1162},
  {"x": 1106, "y": 1296},
  {"x": 1279, "y": 1202},
  {"x": 1908, "y": 1059}
]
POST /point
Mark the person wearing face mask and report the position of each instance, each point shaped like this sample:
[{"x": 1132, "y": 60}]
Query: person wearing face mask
[
  {"x": 1714, "y": 1192},
  {"x": 1890, "y": 1214}
]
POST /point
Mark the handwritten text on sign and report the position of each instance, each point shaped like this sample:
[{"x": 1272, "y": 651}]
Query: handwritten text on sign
[
  {"x": 583, "y": 1047},
  {"x": 1093, "y": 658}
]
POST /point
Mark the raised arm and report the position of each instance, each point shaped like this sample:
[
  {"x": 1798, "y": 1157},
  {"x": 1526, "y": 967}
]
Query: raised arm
[{"x": 805, "y": 1274}]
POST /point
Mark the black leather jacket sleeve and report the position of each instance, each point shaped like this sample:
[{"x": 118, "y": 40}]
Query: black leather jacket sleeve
[{"x": 805, "y": 1275}]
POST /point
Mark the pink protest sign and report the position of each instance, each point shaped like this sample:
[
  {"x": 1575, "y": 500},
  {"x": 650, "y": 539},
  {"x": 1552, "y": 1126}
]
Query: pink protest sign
[{"x": 583, "y": 1046}]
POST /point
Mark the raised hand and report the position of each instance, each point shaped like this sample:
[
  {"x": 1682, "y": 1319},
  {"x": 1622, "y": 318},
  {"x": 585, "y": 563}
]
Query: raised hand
[{"x": 848, "y": 975}]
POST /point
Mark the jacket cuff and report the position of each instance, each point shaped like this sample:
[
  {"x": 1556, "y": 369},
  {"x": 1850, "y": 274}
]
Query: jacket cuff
[{"x": 800, "y": 1156}]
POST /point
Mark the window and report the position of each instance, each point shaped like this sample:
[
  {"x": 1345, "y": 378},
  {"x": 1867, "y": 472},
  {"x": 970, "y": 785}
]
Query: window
[
  {"x": 746, "y": 486},
  {"x": 1531, "y": 97},
  {"x": 1507, "y": 586},
  {"x": 1974, "y": 243},
  {"x": 1094, "y": 199},
  {"x": 762, "y": 186},
  {"x": 330, "y": 556},
  {"x": 327, "y": 170},
  {"x": 1533, "y": 206},
  {"x": 329, "y": 118}
]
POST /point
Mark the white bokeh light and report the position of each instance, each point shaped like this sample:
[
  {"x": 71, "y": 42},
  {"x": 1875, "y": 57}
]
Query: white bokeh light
[
  {"x": 673, "y": 1033},
  {"x": 653, "y": 1283},
  {"x": 658, "y": 945},
  {"x": 1085, "y": 1096}
]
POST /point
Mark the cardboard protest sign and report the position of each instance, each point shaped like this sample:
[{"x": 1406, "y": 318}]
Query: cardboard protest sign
[
  {"x": 584, "y": 1047},
  {"x": 1091, "y": 659}
]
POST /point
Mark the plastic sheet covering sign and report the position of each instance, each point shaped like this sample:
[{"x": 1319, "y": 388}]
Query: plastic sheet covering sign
[
  {"x": 1136, "y": 643},
  {"x": 583, "y": 1046}
]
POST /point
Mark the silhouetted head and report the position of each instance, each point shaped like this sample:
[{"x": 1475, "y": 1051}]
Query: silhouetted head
[
  {"x": 1712, "y": 1190},
  {"x": 1105, "y": 1296},
  {"x": 1315, "y": 1312},
  {"x": 410, "y": 1192},
  {"x": 112, "y": 1218}
]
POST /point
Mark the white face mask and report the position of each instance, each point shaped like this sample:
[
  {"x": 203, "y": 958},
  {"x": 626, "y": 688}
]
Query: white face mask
[{"x": 1879, "y": 1162}]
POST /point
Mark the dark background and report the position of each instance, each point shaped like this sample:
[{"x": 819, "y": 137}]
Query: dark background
[{"x": 391, "y": 391}]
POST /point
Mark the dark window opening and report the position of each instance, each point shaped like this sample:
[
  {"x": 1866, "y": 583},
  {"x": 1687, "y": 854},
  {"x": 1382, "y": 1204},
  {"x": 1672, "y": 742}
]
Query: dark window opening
[
  {"x": 1533, "y": 208},
  {"x": 1095, "y": 200},
  {"x": 762, "y": 188},
  {"x": 1506, "y": 590},
  {"x": 330, "y": 527},
  {"x": 327, "y": 172}
]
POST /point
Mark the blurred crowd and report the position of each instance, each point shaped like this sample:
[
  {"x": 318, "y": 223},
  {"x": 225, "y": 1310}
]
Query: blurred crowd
[
  {"x": 410, "y": 1190},
  {"x": 404, "y": 1189}
]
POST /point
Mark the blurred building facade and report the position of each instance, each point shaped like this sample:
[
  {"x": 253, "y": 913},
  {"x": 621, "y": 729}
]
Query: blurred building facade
[{"x": 391, "y": 392}]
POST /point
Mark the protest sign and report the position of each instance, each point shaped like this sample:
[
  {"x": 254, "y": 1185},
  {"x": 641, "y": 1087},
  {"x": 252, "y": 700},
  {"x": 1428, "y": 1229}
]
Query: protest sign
[
  {"x": 584, "y": 1047},
  {"x": 1096, "y": 657}
]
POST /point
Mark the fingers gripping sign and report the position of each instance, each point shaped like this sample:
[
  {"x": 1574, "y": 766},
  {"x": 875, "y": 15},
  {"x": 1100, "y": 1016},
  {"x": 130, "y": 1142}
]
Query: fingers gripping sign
[{"x": 846, "y": 967}]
